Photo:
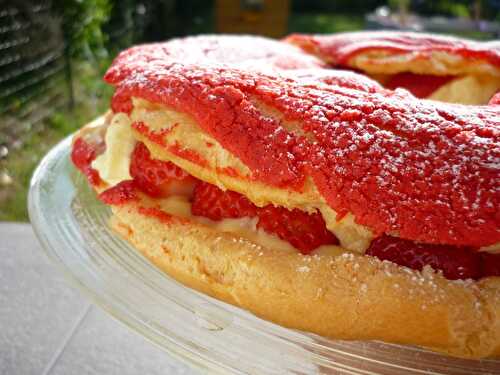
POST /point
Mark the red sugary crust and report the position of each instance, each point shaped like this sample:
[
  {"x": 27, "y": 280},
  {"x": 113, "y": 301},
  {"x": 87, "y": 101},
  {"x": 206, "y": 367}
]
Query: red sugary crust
[
  {"x": 258, "y": 53},
  {"x": 424, "y": 170},
  {"x": 339, "y": 48},
  {"x": 344, "y": 78}
]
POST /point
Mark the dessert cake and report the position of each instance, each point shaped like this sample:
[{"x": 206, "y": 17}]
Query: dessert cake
[{"x": 317, "y": 198}]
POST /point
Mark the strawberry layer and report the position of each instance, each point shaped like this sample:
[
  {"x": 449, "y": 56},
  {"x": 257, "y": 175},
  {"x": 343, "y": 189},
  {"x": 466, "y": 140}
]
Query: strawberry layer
[
  {"x": 340, "y": 48},
  {"x": 455, "y": 262},
  {"x": 304, "y": 231},
  {"x": 424, "y": 171},
  {"x": 82, "y": 155}
]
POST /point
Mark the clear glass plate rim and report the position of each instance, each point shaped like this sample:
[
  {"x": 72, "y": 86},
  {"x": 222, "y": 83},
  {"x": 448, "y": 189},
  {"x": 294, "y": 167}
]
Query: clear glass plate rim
[{"x": 186, "y": 353}]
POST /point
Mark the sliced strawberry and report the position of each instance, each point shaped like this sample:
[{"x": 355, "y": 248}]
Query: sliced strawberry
[
  {"x": 490, "y": 264},
  {"x": 216, "y": 204},
  {"x": 304, "y": 231},
  {"x": 82, "y": 155},
  {"x": 121, "y": 193},
  {"x": 455, "y": 262},
  {"x": 155, "y": 177},
  {"x": 420, "y": 85}
]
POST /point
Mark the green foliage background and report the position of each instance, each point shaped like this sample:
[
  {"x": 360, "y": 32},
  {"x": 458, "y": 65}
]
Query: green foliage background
[{"x": 82, "y": 24}]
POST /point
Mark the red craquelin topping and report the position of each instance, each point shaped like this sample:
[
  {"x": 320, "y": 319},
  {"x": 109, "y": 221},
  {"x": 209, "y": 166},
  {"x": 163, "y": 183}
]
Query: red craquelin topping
[
  {"x": 426, "y": 171},
  {"x": 339, "y": 48},
  {"x": 246, "y": 52}
]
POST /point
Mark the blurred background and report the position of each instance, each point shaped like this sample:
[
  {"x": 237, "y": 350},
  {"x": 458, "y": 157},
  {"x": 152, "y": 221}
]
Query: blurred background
[{"x": 54, "y": 53}]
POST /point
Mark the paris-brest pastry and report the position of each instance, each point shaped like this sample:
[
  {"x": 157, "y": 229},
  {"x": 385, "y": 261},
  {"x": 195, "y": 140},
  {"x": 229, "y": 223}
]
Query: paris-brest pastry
[{"x": 307, "y": 184}]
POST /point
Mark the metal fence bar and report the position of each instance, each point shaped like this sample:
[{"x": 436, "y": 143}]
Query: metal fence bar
[
  {"x": 36, "y": 78},
  {"x": 10, "y": 59},
  {"x": 41, "y": 8},
  {"x": 33, "y": 94},
  {"x": 32, "y": 81},
  {"x": 14, "y": 11},
  {"x": 14, "y": 43},
  {"x": 34, "y": 54},
  {"x": 31, "y": 67},
  {"x": 9, "y": 12},
  {"x": 15, "y": 27},
  {"x": 27, "y": 111}
]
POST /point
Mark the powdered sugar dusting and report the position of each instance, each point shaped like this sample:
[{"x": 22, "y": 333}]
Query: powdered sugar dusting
[{"x": 303, "y": 269}]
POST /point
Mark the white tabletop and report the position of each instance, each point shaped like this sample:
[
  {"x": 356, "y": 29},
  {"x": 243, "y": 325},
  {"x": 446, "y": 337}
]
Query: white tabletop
[{"x": 47, "y": 327}]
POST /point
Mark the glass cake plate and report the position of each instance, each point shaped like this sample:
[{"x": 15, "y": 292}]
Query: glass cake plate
[{"x": 210, "y": 335}]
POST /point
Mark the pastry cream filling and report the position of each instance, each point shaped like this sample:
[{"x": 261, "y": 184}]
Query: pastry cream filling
[
  {"x": 113, "y": 167},
  {"x": 246, "y": 227},
  {"x": 468, "y": 89},
  {"x": 473, "y": 90}
]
